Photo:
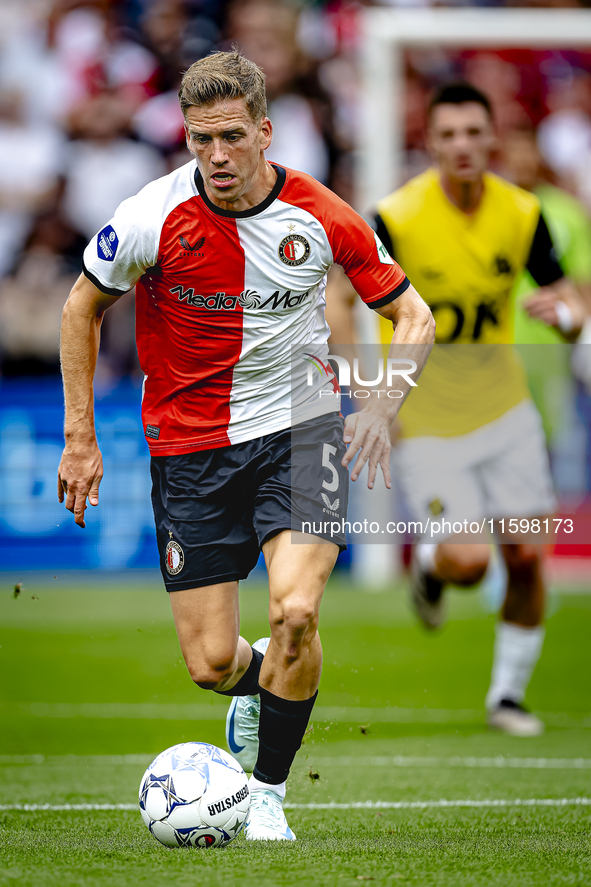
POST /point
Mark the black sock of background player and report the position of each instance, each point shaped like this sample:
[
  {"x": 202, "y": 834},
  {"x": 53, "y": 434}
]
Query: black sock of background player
[
  {"x": 281, "y": 730},
  {"x": 248, "y": 685}
]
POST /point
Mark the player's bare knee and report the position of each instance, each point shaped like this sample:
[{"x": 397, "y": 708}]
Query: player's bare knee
[
  {"x": 473, "y": 572},
  {"x": 294, "y": 621},
  {"x": 210, "y": 673},
  {"x": 464, "y": 564},
  {"x": 210, "y": 680}
]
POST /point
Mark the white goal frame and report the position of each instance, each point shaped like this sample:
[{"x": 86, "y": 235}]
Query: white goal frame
[{"x": 386, "y": 33}]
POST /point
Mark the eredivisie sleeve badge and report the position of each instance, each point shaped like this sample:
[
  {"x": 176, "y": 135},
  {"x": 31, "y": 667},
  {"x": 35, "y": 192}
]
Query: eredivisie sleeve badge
[
  {"x": 174, "y": 558},
  {"x": 294, "y": 250}
]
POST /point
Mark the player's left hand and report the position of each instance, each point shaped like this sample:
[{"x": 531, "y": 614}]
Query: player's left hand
[{"x": 367, "y": 435}]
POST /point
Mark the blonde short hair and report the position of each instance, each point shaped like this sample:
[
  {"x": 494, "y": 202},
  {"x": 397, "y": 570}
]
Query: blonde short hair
[{"x": 224, "y": 75}]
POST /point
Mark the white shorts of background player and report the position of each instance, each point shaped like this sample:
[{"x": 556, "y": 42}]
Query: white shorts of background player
[{"x": 500, "y": 470}]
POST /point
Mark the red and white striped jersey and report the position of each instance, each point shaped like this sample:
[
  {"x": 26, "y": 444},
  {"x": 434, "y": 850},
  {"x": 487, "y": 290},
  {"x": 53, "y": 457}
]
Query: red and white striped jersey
[{"x": 223, "y": 299}]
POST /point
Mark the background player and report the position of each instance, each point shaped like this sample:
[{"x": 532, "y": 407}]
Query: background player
[
  {"x": 472, "y": 442},
  {"x": 567, "y": 220},
  {"x": 229, "y": 255},
  {"x": 570, "y": 228}
]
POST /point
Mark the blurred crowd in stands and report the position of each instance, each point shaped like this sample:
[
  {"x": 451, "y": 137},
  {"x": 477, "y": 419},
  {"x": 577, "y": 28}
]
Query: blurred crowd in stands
[{"x": 89, "y": 114}]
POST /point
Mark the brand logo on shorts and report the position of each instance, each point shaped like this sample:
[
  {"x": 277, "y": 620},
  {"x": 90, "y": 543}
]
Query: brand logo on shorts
[
  {"x": 332, "y": 508},
  {"x": 436, "y": 507},
  {"x": 174, "y": 557},
  {"x": 294, "y": 250}
]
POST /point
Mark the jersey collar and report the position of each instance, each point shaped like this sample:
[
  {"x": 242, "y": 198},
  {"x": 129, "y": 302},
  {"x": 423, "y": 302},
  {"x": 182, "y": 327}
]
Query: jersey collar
[{"x": 245, "y": 213}]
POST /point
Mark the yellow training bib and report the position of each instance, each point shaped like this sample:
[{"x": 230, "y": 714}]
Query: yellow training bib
[{"x": 464, "y": 267}]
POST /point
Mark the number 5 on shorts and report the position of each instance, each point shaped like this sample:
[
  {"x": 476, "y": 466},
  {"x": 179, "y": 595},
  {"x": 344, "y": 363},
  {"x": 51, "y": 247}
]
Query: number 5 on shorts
[{"x": 327, "y": 452}]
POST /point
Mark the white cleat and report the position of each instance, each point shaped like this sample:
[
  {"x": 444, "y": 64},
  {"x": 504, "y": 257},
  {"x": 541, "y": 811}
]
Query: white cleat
[
  {"x": 242, "y": 723},
  {"x": 512, "y": 718},
  {"x": 266, "y": 820},
  {"x": 426, "y": 596}
]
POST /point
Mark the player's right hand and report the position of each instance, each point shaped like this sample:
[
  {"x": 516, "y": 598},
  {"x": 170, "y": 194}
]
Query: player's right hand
[
  {"x": 367, "y": 435},
  {"x": 78, "y": 478}
]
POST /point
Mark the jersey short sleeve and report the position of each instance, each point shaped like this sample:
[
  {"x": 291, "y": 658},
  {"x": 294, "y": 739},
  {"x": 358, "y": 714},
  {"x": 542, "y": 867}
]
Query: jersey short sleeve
[
  {"x": 543, "y": 263},
  {"x": 375, "y": 275},
  {"x": 379, "y": 226},
  {"x": 119, "y": 254}
]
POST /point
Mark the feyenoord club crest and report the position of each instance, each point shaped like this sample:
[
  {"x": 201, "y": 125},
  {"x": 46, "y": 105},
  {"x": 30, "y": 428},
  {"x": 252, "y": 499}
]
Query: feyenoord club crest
[
  {"x": 174, "y": 557},
  {"x": 294, "y": 250}
]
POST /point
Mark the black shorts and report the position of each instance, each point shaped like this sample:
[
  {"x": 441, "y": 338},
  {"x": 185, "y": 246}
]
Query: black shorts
[{"x": 214, "y": 509}]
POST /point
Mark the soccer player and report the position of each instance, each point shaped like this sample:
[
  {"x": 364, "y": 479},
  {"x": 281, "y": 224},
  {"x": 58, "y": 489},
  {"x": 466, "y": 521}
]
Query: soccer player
[
  {"x": 229, "y": 256},
  {"x": 570, "y": 227},
  {"x": 568, "y": 222},
  {"x": 472, "y": 446}
]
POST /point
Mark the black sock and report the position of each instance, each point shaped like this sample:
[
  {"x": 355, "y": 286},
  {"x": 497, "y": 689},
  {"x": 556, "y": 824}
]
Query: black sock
[
  {"x": 281, "y": 730},
  {"x": 248, "y": 685}
]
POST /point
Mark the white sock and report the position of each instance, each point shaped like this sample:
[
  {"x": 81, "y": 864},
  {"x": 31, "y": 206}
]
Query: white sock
[
  {"x": 517, "y": 650},
  {"x": 425, "y": 555},
  {"x": 255, "y": 784}
]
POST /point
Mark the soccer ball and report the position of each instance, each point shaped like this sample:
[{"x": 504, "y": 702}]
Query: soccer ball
[{"x": 194, "y": 795}]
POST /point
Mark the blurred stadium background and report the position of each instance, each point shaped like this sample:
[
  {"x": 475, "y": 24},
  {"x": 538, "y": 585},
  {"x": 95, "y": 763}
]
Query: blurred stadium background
[
  {"x": 91, "y": 684},
  {"x": 88, "y": 115}
]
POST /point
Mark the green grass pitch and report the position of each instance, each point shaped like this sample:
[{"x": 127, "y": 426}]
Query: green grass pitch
[{"x": 92, "y": 687}]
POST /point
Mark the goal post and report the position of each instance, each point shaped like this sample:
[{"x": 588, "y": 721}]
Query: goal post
[{"x": 387, "y": 33}]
